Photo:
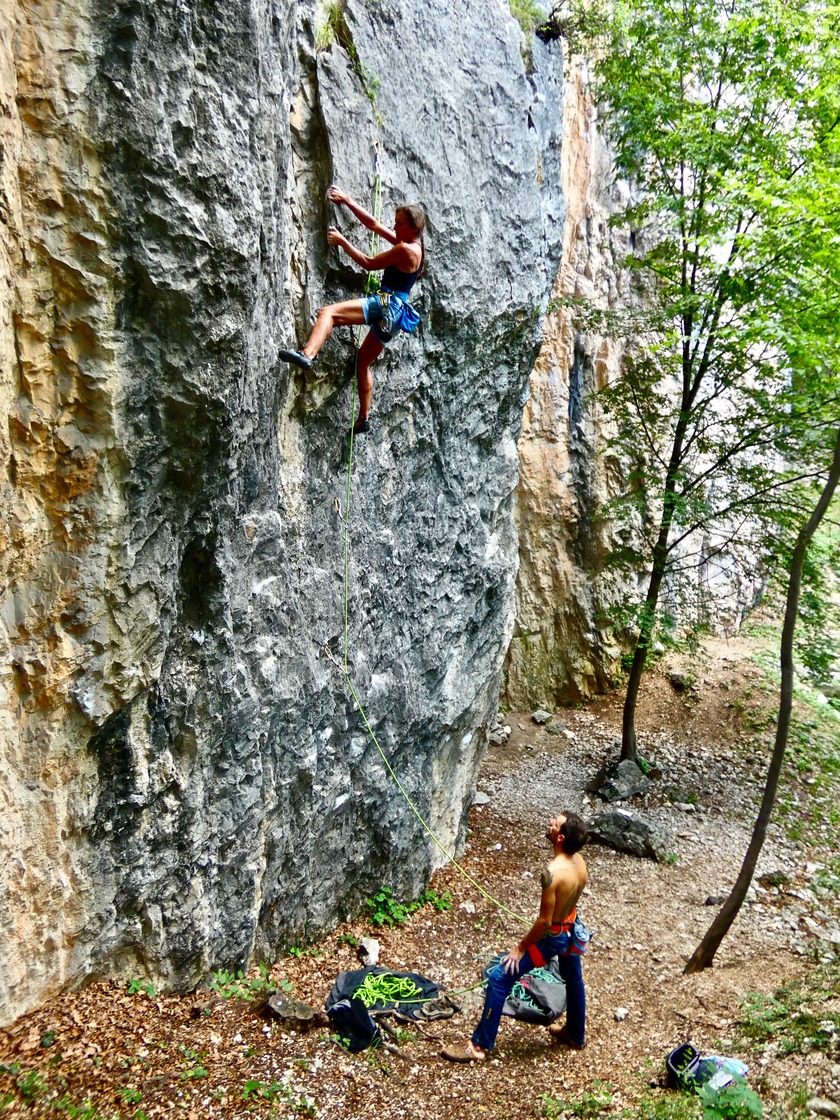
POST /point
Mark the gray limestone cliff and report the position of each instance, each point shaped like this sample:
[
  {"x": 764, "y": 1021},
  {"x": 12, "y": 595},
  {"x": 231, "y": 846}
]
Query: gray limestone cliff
[{"x": 185, "y": 779}]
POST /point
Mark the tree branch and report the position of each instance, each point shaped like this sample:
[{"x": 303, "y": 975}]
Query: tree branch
[{"x": 705, "y": 522}]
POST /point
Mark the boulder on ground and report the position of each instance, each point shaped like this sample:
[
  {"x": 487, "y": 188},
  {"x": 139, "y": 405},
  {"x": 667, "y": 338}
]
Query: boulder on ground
[
  {"x": 627, "y": 832},
  {"x": 500, "y": 732},
  {"x": 295, "y": 1013},
  {"x": 618, "y": 781},
  {"x": 541, "y": 716},
  {"x": 368, "y": 952},
  {"x": 774, "y": 879},
  {"x": 679, "y": 681},
  {"x": 823, "y": 1107}
]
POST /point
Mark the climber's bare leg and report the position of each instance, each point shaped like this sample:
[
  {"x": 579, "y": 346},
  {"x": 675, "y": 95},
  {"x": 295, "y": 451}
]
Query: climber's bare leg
[
  {"x": 333, "y": 315},
  {"x": 370, "y": 349}
]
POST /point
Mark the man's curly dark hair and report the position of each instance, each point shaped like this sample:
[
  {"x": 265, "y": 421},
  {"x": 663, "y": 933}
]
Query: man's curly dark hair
[{"x": 574, "y": 833}]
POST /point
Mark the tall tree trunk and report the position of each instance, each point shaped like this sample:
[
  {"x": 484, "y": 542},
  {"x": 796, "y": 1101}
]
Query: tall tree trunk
[
  {"x": 629, "y": 747},
  {"x": 657, "y": 574},
  {"x": 704, "y": 954}
]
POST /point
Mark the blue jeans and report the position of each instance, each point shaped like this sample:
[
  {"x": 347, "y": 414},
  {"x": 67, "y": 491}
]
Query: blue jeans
[{"x": 499, "y": 984}]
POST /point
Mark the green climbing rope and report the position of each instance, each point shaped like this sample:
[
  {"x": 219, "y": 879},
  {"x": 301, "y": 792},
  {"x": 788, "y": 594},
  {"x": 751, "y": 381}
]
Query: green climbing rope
[
  {"x": 375, "y": 992},
  {"x": 374, "y": 245},
  {"x": 385, "y": 987},
  {"x": 369, "y": 285}
]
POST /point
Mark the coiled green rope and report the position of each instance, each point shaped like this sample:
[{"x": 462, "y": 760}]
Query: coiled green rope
[
  {"x": 385, "y": 987},
  {"x": 519, "y": 991}
]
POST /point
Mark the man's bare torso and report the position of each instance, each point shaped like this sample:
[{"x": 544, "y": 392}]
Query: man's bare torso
[{"x": 563, "y": 881}]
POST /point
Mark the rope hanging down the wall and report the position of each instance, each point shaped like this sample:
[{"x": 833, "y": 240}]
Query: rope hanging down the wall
[{"x": 344, "y": 668}]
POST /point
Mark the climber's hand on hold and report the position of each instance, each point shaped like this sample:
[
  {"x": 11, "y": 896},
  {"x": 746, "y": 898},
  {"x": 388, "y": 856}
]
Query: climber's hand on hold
[
  {"x": 338, "y": 196},
  {"x": 336, "y": 237}
]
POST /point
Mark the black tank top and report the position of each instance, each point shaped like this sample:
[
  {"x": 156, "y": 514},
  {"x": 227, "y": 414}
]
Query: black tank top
[{"x": 401, "y": 282}]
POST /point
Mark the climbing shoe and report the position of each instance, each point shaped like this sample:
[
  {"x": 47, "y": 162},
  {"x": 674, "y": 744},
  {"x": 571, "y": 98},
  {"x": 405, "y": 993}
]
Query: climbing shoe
[
  {"x": 361, "y": 426},
  {"x": 462, "y": 1052},
  {"x": 297, "y": 358}
]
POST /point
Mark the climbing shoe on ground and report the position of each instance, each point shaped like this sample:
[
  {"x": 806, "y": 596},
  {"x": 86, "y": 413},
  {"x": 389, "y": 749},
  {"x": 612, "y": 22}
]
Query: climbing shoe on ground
[
  {"x": 297, "y": 358},
  {"x": 361, "y": 426},
  {"x": 561, "y": 1037},
  {"x": 435, "y": 1009}
]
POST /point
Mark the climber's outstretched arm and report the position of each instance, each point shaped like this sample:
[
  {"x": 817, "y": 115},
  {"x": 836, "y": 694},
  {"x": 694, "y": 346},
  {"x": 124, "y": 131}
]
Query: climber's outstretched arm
[
  {"x": 400, "y": 255},
  {"x": 341, "y": 198}
]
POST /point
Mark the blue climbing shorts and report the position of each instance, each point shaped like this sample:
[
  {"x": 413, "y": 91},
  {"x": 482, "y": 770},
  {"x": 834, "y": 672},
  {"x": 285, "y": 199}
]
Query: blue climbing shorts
[
  {"x": 388, "y": 313},
  {"x": 374, "y": 313}
]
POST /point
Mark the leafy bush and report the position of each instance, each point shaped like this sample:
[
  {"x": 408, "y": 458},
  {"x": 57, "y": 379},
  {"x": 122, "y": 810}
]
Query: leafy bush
[
  {"x": 236, "y": 985},
  {"x": 276, "y": 1091},
  {"x": 794, "y": 1017},
  {"x": 385, "y": 910},
  {"x": 736, "y": 1101},
  {"x": 590, "y": 1104},
  {"x": 527, "y": 14},
  {"x": 142, "y": 986}
]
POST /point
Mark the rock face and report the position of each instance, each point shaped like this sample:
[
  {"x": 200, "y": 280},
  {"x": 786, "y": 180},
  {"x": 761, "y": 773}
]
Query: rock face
[
  {"x": 563, "y": 647},
  {"x": 570, "y": 610},
  {"x": 186, "y": 780}
]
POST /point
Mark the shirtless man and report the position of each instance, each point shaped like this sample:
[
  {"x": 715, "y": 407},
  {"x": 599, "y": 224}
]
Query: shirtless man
[{"x": 550, "y": 936}]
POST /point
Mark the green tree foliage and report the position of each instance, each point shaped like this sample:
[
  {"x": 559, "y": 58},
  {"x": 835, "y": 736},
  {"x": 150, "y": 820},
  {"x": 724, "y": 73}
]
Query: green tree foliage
[{"x": 724, "y": 118}]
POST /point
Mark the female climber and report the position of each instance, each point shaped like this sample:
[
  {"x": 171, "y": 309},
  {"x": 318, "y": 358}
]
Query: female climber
[{"x": 386, "y": 313}]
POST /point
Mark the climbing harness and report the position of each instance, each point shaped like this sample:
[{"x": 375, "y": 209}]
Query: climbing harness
[{"x": 343, "y": 668}]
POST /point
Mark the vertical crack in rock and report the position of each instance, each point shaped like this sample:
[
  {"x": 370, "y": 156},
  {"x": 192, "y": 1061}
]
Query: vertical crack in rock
[{"x": 188, "y": 782}]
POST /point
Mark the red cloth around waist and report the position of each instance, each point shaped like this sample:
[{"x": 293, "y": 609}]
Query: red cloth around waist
[{"x": 565, "y": 925}]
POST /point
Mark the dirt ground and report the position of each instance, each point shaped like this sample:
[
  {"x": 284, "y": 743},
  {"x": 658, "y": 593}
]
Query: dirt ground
[{"x": 140, "y": 1055}]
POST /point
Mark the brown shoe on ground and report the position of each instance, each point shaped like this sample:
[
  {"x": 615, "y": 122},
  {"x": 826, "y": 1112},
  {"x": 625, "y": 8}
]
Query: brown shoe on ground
[
  {"x": 462, "y": 1052},
  {"x": 561, "y": 1037}
]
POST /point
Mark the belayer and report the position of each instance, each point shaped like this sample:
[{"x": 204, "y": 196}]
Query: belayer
[
  {"x": 557, "y": 932},
  {"x": 387, "y": 312}
]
